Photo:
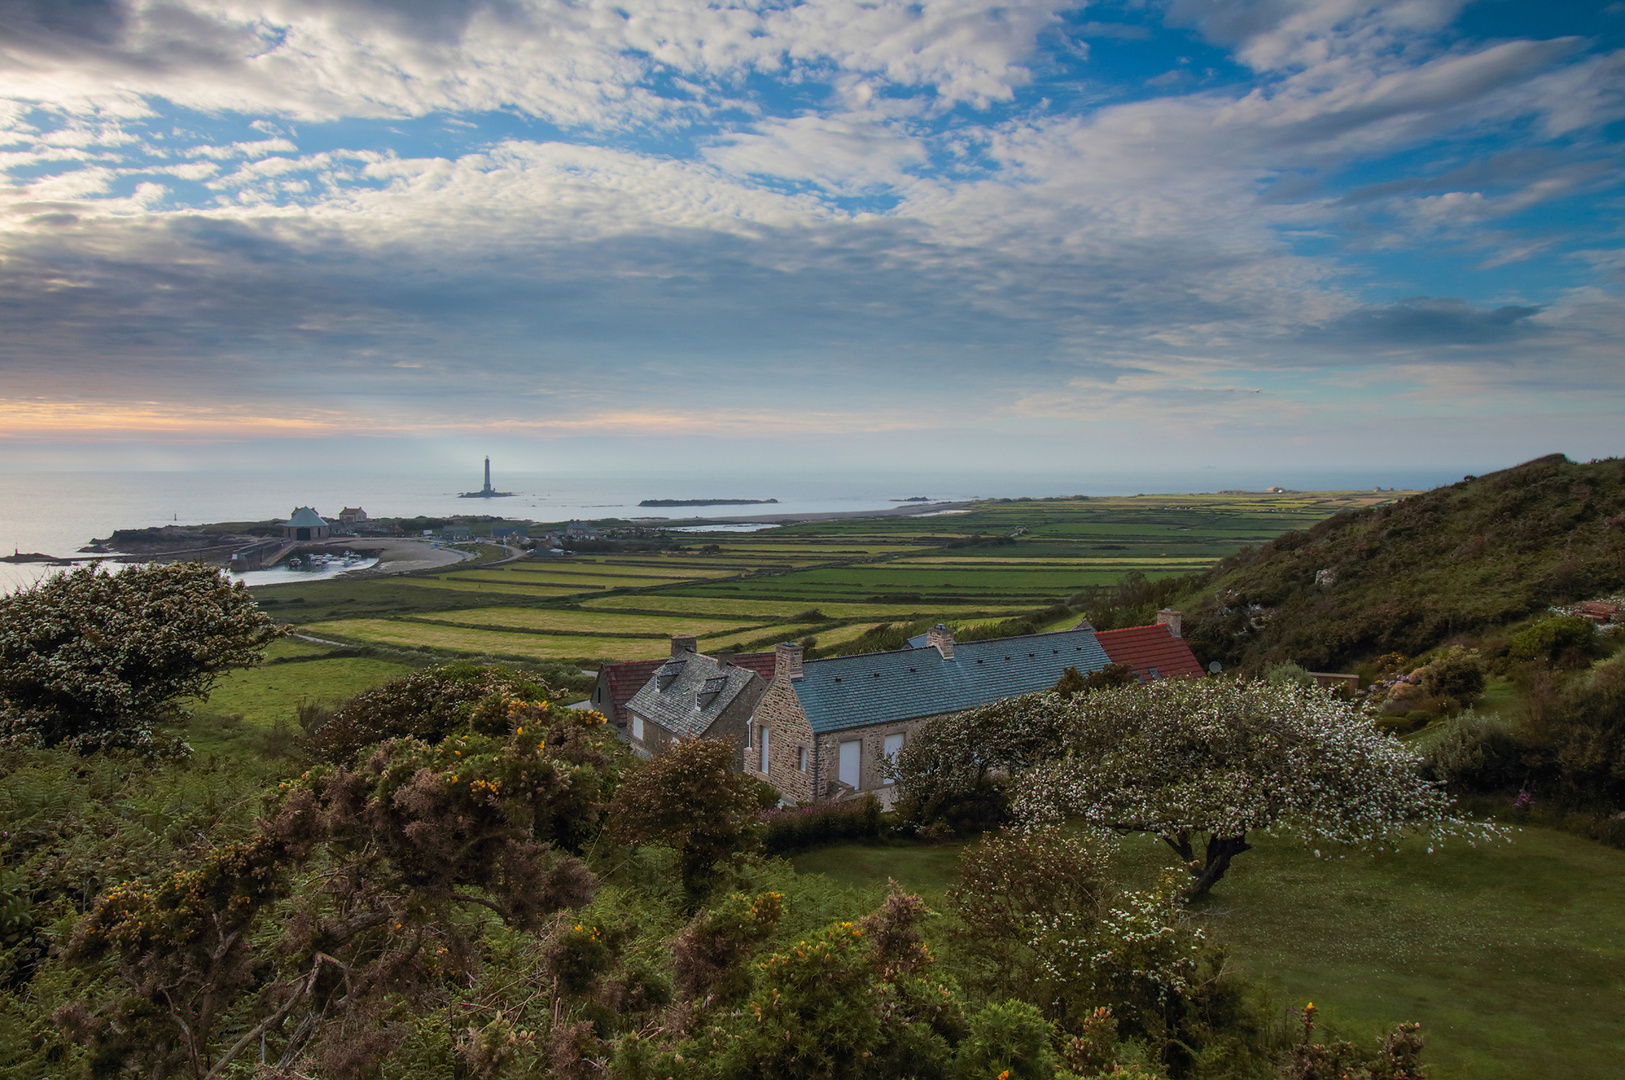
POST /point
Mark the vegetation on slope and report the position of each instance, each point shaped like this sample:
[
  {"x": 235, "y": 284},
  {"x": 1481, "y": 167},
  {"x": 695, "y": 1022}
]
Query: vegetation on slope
[{"x": 1405, "y": 578}]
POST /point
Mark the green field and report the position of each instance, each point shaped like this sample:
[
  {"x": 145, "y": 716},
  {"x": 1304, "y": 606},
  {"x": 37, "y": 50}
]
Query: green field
[
  {"x": 265, "y": 694},
  {"x": 1511, "y": 956},
  {"x": 998, "y": 559}
]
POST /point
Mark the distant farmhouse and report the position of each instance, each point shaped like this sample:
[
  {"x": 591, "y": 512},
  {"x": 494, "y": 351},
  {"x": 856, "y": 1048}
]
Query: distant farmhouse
[
  {"x": 822, "y": 729},
  {"x": 456, "y": 534},
  {"x": 305, "y": 524},
  {"x": 510, "y": 532},
  {"x": 352, "y": 515}
]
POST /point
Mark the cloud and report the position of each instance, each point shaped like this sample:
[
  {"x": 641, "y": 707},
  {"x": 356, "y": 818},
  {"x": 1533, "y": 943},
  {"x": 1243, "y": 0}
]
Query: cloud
[
  {"x": 1424, "y": 321},
  {"x": 614, "y": 211}
]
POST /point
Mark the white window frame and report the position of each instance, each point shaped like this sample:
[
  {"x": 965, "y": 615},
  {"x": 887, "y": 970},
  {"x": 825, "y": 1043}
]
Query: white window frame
[
  {"x": 637, "y": 727},
  {"x": 763, "y": 736},
  {"x": 801, "y": 759}
]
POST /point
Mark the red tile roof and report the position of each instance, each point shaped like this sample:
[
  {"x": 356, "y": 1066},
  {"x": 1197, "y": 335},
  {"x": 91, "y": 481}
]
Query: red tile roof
[
  {"x": 1145, "y": 647},
  {"x": 626, "y": 678}
]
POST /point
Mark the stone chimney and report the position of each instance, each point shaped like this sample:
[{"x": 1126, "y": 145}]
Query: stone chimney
[
  {"x": 683, "y": 643},
  {"x": 941, "y": 638},
  {"x": 787, "y": 661},
  {"x": 1170, "y": 618},
  {"x": 725, "y": 660}
]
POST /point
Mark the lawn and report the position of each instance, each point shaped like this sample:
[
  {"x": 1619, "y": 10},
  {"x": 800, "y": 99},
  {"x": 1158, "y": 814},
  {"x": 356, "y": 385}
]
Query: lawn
[
  {"x": 1511, "y": 956},
  {"x": 264, "y": 695}
]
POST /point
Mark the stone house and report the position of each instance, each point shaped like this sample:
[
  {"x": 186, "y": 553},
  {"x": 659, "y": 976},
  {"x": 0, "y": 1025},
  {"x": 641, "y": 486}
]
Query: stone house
[
  {"x": 692, "y": 696},
  {"x": 620, "y": 680},
  {"x": 823, "y": 727},
  {"x": 510, "y": 532}
]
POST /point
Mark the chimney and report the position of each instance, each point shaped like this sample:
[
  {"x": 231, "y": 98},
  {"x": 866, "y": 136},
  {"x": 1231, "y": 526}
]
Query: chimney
[
  {"x": 787, "y": 661},
  {"x": 683, "y": 643},
  {"x": 941, "y": 638},
  {"x": 725, "y": 660},
  {"x": 1170, "y": 618}
]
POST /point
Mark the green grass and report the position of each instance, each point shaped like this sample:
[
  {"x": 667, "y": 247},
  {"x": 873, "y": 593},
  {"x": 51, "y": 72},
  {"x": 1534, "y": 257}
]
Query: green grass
[
  {"x": 1512, "y": 956},
  {"x": 486, "y": 642},
  {"x": 264, "y": 695}
]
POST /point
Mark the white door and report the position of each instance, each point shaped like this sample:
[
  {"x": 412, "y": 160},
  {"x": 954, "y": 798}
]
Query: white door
[
  {"x": 851, "y": 758},
  {"x": 894, "y": 746}
]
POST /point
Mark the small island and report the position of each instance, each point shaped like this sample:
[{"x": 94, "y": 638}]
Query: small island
[
  {"x": 706, "y": 502},
  {"x": 912, "y": 498}
]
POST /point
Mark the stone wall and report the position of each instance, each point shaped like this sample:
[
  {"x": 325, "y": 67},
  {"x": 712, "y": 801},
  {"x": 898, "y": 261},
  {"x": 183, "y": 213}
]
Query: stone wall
[
  {"x": 873, "y": 737},
  {"x": 781, "y": 714}
]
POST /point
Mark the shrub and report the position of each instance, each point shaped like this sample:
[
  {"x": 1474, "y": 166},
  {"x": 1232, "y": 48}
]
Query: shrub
[
  {"x": 1477, "y": 753},
  {"x": 1551, "y": 638},
  {"x": 1456, "y": 675},
  {"x": 800, "y": 828},
  {"x": 692, "y": 799},
  {"x": 1288, "y": 673},
  {"x": 427, "y": 705},
  {"x": 94, "y": 660}
]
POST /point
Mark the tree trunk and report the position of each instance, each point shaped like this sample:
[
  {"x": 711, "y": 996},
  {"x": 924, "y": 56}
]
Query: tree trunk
[{"x": 1220, "y": 850}]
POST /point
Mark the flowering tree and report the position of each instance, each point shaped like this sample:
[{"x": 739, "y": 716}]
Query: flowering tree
[
  {"x": 1203, "y": 763},
  {"x": 92, "y": 660}
]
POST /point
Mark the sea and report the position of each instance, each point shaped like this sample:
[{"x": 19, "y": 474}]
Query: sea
[{"x": 57, "y": 513}]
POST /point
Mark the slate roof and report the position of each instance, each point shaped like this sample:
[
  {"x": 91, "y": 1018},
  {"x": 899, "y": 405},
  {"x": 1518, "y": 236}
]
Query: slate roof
[
  {"x": 305, "y": 517},
  {"x": 1150, "y": 648},
  {"x": 686, "y": 694},
  {"x": 877, "y": 688}
]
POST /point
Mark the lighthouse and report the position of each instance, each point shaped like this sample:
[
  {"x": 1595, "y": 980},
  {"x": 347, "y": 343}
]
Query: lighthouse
[{"x": 486, "y": 492}]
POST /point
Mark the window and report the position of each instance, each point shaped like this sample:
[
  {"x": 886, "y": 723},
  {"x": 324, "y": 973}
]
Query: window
[
  {"x": 762, "y": 739},
  {"x": 637, "y": 728},
  {"x": 894, "y": 746},
  {"x": 851, "y": 759},
  {"x": 801, "y": 759}
]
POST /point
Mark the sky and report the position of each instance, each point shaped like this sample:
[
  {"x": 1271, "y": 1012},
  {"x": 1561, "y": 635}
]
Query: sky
[{"x": 1030, "y": 236}]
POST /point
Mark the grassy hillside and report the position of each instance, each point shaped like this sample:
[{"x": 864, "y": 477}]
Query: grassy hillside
[{"x": 1406, "y": 577}]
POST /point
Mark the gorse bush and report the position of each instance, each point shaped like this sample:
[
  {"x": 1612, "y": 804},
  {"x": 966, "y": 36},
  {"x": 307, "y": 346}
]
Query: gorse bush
[{"x": 427, "y": 705}]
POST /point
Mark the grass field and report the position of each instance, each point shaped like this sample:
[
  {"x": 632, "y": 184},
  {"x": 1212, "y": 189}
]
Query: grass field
[
  {"x": 606, "y": 623},
  {"x": 1000, "y": 558},
  {"x": 464, "y": 642},
  {"x": 262, "y": 695},
  {"x": 1512, "y": 956}
]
